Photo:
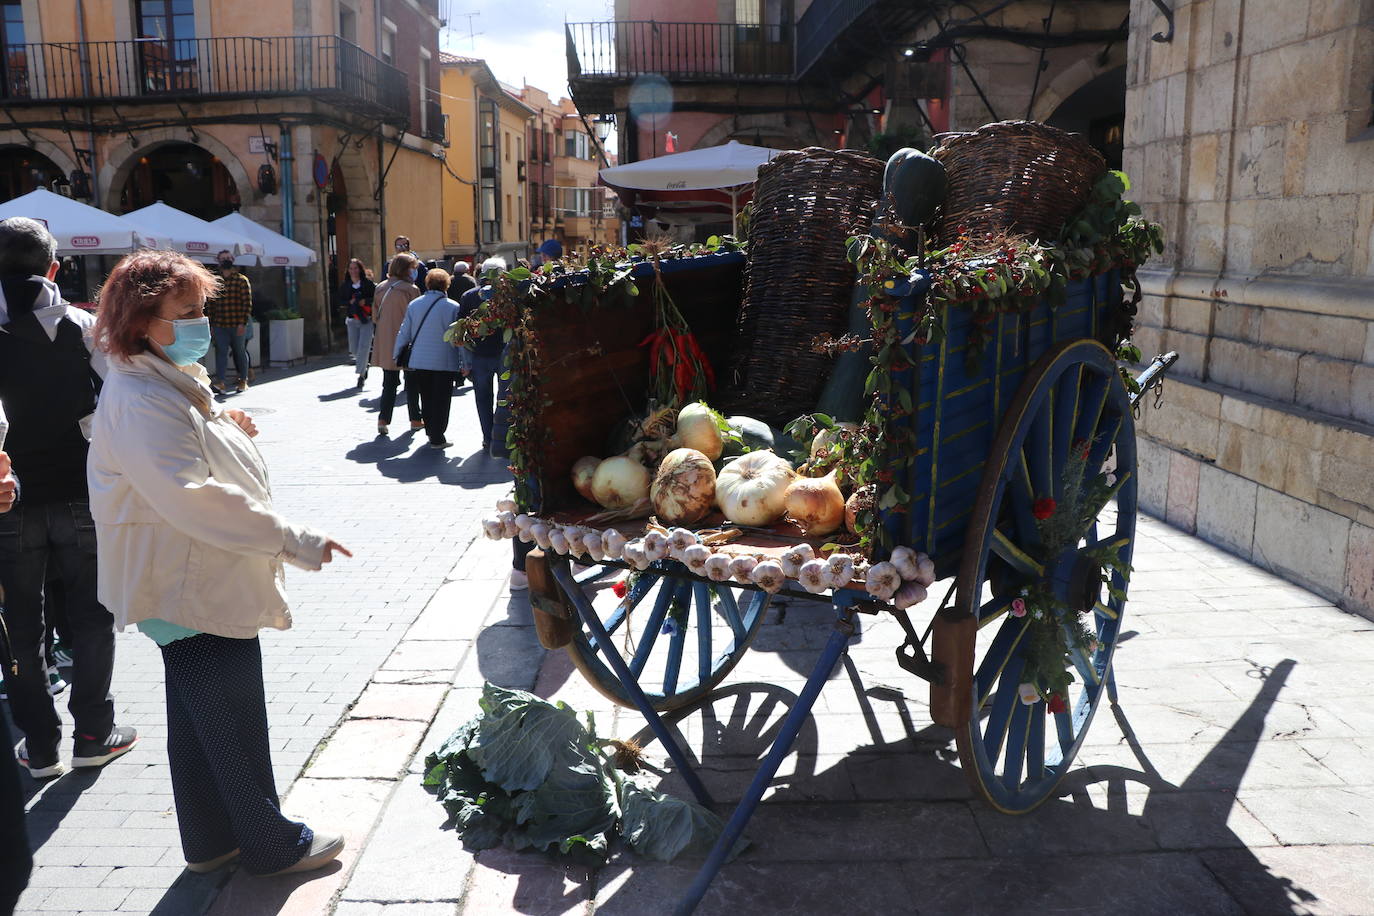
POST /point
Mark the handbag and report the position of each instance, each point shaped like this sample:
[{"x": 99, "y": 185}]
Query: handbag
[{"x": 403, "y": 358}]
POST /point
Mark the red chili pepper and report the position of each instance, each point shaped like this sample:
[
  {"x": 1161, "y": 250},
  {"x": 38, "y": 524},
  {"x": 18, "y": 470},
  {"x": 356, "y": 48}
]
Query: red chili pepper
[
  {"x": 620, "y": 588},
  {"x": 1043, "y": 508},
  {"x": 1057, "y": 704}
]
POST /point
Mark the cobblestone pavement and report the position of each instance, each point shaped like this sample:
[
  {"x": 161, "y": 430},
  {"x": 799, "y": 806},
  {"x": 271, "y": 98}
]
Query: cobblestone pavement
[{"x": 1233, "y": 778}]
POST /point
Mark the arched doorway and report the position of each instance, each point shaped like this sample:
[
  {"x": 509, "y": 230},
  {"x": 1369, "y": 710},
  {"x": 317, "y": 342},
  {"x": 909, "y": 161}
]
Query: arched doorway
[
  {"x": 336, "y": 238},
  {"x": 23, "y": 170},
  {"x": 181, "y": 175},
  {"x": 1097, "y": 109}
]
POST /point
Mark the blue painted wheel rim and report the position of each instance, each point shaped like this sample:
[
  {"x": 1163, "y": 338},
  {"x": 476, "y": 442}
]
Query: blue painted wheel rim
[{"x": 1015, "y": 755}]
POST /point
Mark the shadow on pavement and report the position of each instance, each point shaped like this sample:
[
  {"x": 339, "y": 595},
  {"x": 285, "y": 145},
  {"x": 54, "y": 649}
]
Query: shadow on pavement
[
  {"x": 406, "y": 457},
  {"x": 907, "y": 835}
]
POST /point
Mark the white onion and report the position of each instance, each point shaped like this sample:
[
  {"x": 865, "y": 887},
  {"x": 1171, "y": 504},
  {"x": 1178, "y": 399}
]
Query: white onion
[
  {"x": 620, "y": 482},
  {"x": 814, "y": 576},
  {"x": 613, "y": 542},
  {"x": 793, "y": 558},
  {"x": 751, "y": 489},
  {"x": 882, "y": 580},
  {"x": 695, "y": 557},
  {"x": 769, "y": 576},
  {"x": 718, "y": 567},
  {"x": 697, "y": 429},
  {"x": 684, "y": 489},
  {"x": 742, "y": 568},
  {"x": 583, "y": 470},
  {"x": 815, "y": 504}
]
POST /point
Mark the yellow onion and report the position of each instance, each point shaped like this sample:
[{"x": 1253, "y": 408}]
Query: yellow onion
[
  {"x": 582, "y": 472},
  {"x": 697, "y": 429},
  {"x": 750, "y": 490},
  {"x": 684, "y": 487},
  {"x": 858, "y": 501},
  {"x": 620, "y": 482},
  {"x": 815, "y": 504}
]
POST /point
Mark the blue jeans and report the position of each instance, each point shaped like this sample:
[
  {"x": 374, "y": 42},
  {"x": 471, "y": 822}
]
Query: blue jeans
[
  {"x": 485, "y": 370},
  {"x": 360, "y": 343},
  {"x": 224, "y": 339}
]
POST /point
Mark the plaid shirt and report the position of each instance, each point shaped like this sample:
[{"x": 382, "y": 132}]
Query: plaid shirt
[{"x": 233, "y": 307}]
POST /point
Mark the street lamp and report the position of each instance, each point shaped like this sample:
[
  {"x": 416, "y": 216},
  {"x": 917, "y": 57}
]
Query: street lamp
[{"x": 603, "y": 125}]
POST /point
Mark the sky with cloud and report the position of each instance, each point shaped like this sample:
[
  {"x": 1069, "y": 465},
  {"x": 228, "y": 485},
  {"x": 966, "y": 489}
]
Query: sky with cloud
[{"x": 521, "y": 40}]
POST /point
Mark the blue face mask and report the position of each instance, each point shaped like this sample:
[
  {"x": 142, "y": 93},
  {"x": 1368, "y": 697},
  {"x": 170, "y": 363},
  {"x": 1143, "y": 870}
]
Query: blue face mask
[{"x": 192, "y": 340}]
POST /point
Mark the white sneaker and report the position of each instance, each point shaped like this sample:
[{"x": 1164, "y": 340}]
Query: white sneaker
[{"x": 519, "y": 582}]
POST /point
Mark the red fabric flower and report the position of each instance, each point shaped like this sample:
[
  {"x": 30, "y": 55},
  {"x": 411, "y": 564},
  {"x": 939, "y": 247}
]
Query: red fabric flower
[
  {"x": 1057, "y": 704},
  {"x": 1043, "y": 508},
  {"x": 620, "y": 588}
]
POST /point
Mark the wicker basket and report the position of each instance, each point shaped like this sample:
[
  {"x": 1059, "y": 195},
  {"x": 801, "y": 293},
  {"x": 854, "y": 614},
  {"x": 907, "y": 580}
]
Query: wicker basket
[
  {"x": 1016, "y": 176},
  {"x": 798, "y": 283}
]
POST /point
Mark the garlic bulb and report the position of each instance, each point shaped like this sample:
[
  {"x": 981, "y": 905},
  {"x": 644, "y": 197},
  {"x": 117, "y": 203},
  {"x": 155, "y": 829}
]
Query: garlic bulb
[
  {"x": 841, "y": 567},
  {"x": 925, "y": 570},
  {"x": 523, "y": 522},
  {"x": 814, "y": 576},
  {"x": 679, "y": 539},
  {"x": 508, "y": 526},
  {"x": 491, "y": 527},
  {"x": 718, "y": 567},
  {"x": 633, "y": 553},
  {"x": 574, "y": 534},
  {"x": 695, "y": 557},
  {"x": 655, "y": 546},
  {"x": 815, "y": 504},
  {"x": 558, "y": 541},
  {"x": 613, "y": 542},
  {"x": 540, "y": 532},
  {"x": 794, "y": 557},
  {"x": 506, "y": 505},
  {"x": 904, "y": 558},
  {"x": 750, "y": 489},
  {"x": 910, "y": 593},
  {"x": 741, "y": 568},
  {"x": 591, "y": 545},
  {"x": 768, "y": 575},
  {"x": 882, "y": 580}
]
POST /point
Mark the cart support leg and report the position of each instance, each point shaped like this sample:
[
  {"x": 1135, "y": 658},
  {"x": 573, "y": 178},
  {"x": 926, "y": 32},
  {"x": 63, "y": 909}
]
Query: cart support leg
[
  {"x": 782, "y": 745},
  {"x": 627, "y": 680}
]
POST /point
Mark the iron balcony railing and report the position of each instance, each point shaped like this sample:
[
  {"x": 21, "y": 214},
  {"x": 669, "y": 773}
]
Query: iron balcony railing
[
  {"x": 679, "y": 50},
  {"x": 822, "y": 22},
  {"x": 321, "y": 66}
]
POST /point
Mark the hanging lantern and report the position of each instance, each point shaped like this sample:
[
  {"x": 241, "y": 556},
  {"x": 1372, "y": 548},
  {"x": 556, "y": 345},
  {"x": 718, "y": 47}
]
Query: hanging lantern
[{"x": 267, "y": 178}]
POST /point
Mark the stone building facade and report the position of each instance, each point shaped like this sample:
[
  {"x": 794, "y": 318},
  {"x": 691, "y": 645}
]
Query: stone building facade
[{"x": 1250, "y": 138}]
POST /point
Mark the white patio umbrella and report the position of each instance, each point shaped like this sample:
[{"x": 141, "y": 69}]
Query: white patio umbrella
[
  {"x": 189, "y": 234},
  {"x": 715, "y": 176},
  {"x": 277, "y": 249},
  {"x": 80, "y": 228}
]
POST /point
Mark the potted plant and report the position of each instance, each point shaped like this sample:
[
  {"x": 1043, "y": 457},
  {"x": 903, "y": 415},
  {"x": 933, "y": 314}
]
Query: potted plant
[{"x": 286, "y": 337}]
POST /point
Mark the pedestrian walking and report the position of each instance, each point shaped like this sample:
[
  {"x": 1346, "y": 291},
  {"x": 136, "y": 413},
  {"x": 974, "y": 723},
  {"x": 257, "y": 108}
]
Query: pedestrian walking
[
  {"x": 393, "y": 295},
  {"x": 435, "y": 362},
  {"x": 230, "y": 312},
  {"x": 484, "y": 358},
  {"x": 193, "y": 554},
  {"x": 355, "y": 297},
  {"x": 417, "y": 273},
  {"x": 49, "y": 380},
  {"x": 462, "y": 280}
]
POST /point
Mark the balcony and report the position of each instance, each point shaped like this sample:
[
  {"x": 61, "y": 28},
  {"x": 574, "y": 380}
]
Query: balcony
[
  {"x": 602, "y": 55},
  {"x": 324, "y": 67}
]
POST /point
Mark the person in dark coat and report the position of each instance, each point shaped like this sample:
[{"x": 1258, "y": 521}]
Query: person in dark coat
[
  {"x": 484, "y": 359},
  {"x": 355, "y": 297}
]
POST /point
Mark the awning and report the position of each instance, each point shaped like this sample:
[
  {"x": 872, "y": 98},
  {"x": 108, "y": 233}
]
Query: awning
[
  {"x": 276, "y": 249},
  {"x": 80, "y": 228},
  {"x": 718, "y": 179},
  {"x": 189, "y": 234}
]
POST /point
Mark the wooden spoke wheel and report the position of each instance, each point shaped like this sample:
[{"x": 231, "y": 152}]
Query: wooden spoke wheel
[
  {"x": 679, "y": 636},
  {"x": 1068, "y": 437}
]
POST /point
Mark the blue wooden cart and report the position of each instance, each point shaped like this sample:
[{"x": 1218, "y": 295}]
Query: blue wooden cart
[{"x": 1039, "y": 415}]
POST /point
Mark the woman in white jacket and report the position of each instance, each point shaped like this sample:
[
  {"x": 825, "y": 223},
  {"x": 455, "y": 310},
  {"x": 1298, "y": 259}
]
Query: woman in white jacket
[{"x": 191, "y": 551}]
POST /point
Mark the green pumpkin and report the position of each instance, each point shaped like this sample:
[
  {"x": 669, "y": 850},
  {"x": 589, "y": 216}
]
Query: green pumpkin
[{"x": 915, "y": 185}]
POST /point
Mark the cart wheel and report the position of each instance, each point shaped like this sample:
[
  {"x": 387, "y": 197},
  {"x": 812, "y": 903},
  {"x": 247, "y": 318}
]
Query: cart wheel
[
  {"x": 1073, "y": 403},
  {"x": 680, "y": 637}
]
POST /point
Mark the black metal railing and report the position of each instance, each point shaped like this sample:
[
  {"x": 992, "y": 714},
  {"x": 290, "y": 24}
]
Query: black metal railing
[
  {"x": 322, "y": 66},
  {"x": 821, "y": 23},
  {"x": 436, "y": 122},
  {"x": 679, "y": 50}
]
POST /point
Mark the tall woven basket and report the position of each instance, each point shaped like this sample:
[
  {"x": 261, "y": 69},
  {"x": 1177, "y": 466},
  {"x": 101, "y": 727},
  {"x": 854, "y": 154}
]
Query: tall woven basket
[
  {"x": 798, "y": 282},
  {"x": 1021, "y": 177}
]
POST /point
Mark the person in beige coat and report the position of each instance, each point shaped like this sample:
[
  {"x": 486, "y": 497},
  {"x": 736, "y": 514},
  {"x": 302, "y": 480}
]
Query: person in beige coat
[
  {"x": 192, "y": 553},
  {"x": 388, "y": 310}
]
